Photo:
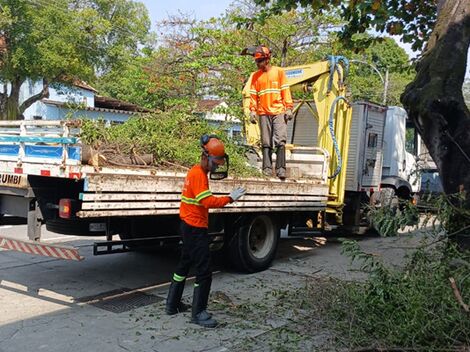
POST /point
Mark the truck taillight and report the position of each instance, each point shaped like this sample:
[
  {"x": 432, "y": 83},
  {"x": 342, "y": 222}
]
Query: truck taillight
[{"x": 65, "y": 208}]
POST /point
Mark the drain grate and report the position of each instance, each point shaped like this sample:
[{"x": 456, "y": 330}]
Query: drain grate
[{"x": 121, "y": 300}]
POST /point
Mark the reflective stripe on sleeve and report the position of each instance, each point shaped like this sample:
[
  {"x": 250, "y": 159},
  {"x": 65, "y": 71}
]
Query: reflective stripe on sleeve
[
  {"x": 203, "y": 195},
  {"x": 191, "y": 201}
]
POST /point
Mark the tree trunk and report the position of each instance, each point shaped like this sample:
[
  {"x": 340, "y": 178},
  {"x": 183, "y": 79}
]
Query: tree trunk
[
  {"x": 285, "y": 46},
  {"x": 11, "y": 111},
  {"x": 434, "y": 100},
  {"x": 3, "y": 104},
  {"x": 10, "y": 107},
  {"x": 10, "y": 103}
]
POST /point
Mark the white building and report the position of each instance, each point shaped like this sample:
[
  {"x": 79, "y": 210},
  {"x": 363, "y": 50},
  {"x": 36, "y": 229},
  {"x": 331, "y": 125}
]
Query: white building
[
  {"x": 213, "y": 110},
  {"x": 77, "y": 101}
]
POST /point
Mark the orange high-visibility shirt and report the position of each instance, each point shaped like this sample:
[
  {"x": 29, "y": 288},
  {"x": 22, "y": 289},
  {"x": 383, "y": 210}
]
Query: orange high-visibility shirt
[
  {"x": 269, "y": 92},
  {"x": 197, "y": 199}
]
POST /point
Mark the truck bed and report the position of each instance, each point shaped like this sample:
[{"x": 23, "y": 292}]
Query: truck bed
[
  {"x": 127, "y": 195},
  {"x": 52, "y": 149}
]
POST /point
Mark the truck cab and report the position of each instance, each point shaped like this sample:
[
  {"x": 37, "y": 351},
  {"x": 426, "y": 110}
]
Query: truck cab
[{"x": 400, "y": 169}]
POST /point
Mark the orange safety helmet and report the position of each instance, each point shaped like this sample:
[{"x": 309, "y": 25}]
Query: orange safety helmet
[
  {"x": 261, "y": 53},
  {"x": 214, "y": 149}
]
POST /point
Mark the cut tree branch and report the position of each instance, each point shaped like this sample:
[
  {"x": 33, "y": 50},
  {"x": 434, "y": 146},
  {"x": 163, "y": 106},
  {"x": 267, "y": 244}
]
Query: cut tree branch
[{"x": 458, "y": 296}]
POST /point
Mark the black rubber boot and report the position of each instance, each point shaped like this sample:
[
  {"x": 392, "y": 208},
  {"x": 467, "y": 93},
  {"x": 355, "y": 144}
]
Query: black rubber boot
[
  {"x": 200, "y": 298},
  {"x": 173, "y": 302},
  {"x": 281, "y": 162},
  {"x": 267, "y": 161}
]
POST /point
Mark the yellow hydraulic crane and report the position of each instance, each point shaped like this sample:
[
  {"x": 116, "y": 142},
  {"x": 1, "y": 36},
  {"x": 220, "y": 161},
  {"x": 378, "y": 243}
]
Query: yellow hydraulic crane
[{"x": 325, "y": 81}]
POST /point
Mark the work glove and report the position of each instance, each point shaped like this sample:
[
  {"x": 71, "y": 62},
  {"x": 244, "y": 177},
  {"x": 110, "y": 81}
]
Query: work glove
[
  {"x": 288, "y": 115},
  {"x": 237, "y": 193},
  {"x": 253, "y": 117}
]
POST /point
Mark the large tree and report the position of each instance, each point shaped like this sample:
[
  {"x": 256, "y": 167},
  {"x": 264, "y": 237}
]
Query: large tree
[
  {"x": 63, "y": 41},
  {"x": 434, "y": 99},
  {"x": 435, "y": 102}
]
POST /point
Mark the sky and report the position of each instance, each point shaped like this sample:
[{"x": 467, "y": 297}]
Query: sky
[{"x": 201, "y": 10}]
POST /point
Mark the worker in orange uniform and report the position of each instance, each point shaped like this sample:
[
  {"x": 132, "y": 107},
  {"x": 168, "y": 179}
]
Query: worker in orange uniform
[
  {"x": 196, "y": 200},
  {"x": 271, "y": 100}
]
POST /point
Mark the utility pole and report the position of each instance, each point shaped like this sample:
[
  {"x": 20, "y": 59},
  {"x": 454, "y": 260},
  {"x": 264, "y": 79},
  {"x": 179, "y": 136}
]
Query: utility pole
[{"x": 385, "y": 88}]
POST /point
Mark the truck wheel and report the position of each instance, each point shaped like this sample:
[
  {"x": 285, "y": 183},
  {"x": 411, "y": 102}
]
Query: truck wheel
[{"x": 254, "y": 245}]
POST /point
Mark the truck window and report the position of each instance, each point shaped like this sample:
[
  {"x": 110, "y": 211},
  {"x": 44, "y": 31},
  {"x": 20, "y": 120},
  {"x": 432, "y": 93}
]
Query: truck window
[{"x": 411, "y": 137}]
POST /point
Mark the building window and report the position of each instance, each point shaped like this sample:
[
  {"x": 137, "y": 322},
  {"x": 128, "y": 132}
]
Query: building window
[
  {"x": 372, "y": 142},
  {"x": 237, "y": 136}
]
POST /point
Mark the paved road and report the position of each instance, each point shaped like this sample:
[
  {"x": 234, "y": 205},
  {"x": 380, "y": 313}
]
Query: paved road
[{"x": 54, "y": 305}]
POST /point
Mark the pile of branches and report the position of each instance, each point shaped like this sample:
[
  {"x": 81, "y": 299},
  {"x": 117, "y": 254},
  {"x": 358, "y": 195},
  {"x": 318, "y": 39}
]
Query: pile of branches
[{"x": 168, "y": 140}]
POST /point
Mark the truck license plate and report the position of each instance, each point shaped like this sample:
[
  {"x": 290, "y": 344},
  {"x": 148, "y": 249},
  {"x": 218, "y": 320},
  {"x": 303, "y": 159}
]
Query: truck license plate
[
  {"x": 97, "y": 227},
  {"x": 13, "y": 180}
]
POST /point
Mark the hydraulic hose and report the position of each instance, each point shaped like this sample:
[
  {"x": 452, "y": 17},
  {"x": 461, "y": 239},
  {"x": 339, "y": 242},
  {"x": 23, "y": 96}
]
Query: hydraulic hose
[
  {"x": 334, "y": 62},
  {"x": 332, "y": 132}
]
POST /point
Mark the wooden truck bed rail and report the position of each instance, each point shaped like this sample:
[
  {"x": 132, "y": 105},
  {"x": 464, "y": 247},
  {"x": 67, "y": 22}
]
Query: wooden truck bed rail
[{"x": 131, "y": 195}]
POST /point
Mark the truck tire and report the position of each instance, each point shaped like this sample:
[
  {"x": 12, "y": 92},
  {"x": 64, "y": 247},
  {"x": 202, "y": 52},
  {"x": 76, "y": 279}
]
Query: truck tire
[{"x": 253, "y": 245}]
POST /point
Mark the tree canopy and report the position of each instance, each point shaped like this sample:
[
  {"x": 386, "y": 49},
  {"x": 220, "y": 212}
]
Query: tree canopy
[
  {"x": 413, "y": 20},
  {"x": 64, "y": 40},
  {"x": 197, "y": 59}
]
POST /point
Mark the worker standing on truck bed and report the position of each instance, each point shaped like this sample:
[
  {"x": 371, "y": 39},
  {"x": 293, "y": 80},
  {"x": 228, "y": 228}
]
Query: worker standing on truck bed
[
  {"x": 270, "y": 99},
  {"x": 196, "y": 200}
]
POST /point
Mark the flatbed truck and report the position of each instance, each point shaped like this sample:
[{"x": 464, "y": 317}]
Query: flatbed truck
[{"x": 333, "y": 160}]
